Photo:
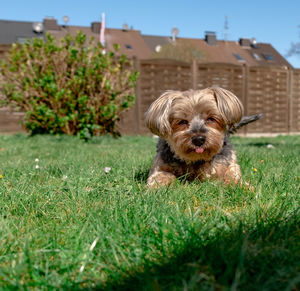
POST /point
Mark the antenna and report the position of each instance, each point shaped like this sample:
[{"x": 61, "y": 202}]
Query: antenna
[
  {"x": 226, "y": 28},
  {"x": 175, "y": 32},
  {"x": 38, "y": 27},
  {"x": 66, "y": 19}
]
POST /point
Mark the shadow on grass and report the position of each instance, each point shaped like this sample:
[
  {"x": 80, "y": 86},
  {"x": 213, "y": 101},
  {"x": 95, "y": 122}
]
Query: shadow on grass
[{"x": 264, "y": 258}]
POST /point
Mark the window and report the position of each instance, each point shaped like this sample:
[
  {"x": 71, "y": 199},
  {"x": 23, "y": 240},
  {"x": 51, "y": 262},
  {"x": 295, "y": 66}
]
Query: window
[
  {"x": 238, "y": 57},
  {"x": 22, "y": 40},
  {"x": 256, "y": 56},
  {"x": 268, "y": 57},
  {"x": 196, "y": 54}
]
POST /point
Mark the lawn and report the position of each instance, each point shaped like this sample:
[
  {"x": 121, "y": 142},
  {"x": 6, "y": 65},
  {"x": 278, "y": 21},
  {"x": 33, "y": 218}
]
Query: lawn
[{"x": 66, "y": 222}]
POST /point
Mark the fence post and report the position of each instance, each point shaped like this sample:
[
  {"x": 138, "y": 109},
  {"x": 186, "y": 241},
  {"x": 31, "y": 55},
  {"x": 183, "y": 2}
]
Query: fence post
[
  {"x": 290, "y": 99},
  {"x": 194, "y": 74},
  {"x": 137, "y": 67},
  {"x": 245, "y": 92}
]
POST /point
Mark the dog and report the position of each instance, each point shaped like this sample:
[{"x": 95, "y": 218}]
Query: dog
[{"x": 193, "y": 128}]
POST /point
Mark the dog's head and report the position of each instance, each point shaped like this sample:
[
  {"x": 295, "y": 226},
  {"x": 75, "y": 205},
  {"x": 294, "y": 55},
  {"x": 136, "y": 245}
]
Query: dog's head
[{"x": 194, "y": 123}]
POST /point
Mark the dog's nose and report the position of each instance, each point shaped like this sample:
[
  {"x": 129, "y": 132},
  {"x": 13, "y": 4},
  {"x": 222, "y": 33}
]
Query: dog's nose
[{"x": 198, "y": 140}]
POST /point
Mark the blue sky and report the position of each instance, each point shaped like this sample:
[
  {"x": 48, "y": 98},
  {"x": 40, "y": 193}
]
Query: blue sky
[{"x": 274, "y": 22}]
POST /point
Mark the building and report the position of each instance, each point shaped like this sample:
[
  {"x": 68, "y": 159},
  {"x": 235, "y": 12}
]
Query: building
[
  {"x": 211, "y": 50},
  {"x": 133, "y": 43}
]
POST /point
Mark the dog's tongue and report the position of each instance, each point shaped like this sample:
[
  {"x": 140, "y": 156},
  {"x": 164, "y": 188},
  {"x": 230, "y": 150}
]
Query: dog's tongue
[{"x": 199, "y": 150}]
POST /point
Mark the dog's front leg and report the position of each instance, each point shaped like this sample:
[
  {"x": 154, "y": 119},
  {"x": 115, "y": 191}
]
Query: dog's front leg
[
  {"x": 227, "y": 173},
  {"x": 160, "y": 178},
  {"x": 160, "y": 174}
]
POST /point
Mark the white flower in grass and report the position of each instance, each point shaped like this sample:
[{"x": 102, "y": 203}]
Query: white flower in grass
[
  {"x": 81, "y": 268},
  {"x": 64, "y": 177},
  {"x": 36, "y": 160},
  {"x": 94, "y": 244},
  {"x": 85, "y": 257},
  {"x": 270, "y": 146},
  {"x": 107, "y": 170},
  {"x": 37, "y": 167}
]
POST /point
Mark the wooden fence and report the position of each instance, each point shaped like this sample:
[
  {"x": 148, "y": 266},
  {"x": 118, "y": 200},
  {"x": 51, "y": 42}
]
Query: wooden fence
[{"x": 273, "y": 91}]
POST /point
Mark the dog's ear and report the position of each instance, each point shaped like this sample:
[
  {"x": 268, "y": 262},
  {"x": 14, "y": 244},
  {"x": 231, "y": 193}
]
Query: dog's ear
[
  {"x": 229, "y": 105},
  {"x": 157, "y": 116}
]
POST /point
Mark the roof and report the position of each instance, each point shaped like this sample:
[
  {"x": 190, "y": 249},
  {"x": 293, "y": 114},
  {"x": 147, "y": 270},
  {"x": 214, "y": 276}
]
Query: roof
[
  {"x": 14, "y": 31},
  {"x": 154, "y": 41},
  {"x": 225, "y": 51},
  {"x": 130, "y": 41},
  {"x": 133, "y": 43}
]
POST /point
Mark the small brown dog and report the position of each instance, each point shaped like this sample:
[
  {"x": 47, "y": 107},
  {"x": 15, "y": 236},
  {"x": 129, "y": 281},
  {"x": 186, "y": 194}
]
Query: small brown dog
[{"x": 194, "y": 128}]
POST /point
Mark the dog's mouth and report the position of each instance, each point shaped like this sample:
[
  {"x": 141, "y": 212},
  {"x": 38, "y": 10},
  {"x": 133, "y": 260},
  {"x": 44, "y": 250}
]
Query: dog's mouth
[
  {"x": 199, "y": 150},
  {"x": 196, "y": 149}
]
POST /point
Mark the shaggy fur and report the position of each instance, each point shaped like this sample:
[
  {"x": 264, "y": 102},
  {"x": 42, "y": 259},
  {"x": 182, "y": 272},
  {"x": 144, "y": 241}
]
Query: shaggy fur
[{"x": 194, "y": 127}]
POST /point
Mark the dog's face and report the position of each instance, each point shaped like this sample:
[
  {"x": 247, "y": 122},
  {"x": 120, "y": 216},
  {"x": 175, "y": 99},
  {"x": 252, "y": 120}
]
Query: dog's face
[{"x": 194, "y": 123}]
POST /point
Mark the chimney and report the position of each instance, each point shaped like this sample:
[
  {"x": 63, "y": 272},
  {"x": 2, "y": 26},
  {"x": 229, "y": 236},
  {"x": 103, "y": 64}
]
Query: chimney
[
  {"x": 210, "y": 38},
  {"x": 50, "y": 23},
  {"x": 245, "y": 42},
  {"x": 96, "y": 26}
]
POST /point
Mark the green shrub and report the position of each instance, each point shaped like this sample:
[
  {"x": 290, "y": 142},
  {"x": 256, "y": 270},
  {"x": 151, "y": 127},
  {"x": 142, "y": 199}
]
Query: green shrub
[{"x": 68, "y": 88}]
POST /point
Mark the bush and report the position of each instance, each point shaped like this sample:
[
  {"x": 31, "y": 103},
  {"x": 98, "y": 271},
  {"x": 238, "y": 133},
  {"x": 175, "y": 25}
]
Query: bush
[{"x": 68, "y": 88}]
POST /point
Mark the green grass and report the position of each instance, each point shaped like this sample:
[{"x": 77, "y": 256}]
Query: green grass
[{"x": 69, "y": 225}]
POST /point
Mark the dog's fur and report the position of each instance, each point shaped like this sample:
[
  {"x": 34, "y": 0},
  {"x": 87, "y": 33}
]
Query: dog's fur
[{"x": 194, "y": 128}]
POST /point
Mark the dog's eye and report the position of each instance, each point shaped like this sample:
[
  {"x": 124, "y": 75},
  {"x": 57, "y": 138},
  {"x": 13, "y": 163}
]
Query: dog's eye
[
  {"x": 183, "y": 122},
  {"x": 210, "y": 120}
]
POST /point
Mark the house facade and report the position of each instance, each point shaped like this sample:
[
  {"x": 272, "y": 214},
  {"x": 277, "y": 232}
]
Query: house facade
[{"x": 134, "y": 44}]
